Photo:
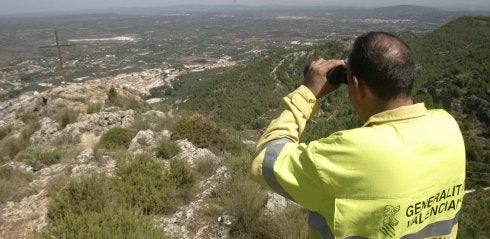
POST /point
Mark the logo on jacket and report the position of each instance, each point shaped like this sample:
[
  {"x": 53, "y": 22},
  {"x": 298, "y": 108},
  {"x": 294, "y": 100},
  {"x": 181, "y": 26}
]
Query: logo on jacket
[{"x": 389, "y": 220}]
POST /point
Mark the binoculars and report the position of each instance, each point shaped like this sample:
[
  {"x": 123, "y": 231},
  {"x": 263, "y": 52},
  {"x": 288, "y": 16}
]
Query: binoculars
[{"x": 335, "y": 76}]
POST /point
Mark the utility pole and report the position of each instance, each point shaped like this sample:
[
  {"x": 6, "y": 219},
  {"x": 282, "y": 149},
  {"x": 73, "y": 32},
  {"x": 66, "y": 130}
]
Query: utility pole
[{"x": 58, "y": 46}]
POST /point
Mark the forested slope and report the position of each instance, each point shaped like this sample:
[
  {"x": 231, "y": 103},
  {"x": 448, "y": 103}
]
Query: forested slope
[{"x": 453, "y": 70}]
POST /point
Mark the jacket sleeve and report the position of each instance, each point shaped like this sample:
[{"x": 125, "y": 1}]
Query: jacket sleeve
[{"x": 280, "y": 162}]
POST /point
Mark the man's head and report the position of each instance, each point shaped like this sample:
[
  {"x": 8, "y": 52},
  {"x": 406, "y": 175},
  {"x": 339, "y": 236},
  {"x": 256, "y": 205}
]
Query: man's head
[{"x": 382, "y": 63}]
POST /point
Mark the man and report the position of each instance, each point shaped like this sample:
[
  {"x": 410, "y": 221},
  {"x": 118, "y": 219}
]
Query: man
[{"x": 400, "y": 175}]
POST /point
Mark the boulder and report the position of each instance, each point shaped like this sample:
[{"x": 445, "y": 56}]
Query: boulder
[
  {"x": 143, "y": 139},
  {"x": 48, "y": 131}
]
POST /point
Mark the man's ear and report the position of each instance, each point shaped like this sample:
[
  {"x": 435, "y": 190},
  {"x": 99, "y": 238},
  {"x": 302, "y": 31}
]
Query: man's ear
[{"x": 360, "y": 87}]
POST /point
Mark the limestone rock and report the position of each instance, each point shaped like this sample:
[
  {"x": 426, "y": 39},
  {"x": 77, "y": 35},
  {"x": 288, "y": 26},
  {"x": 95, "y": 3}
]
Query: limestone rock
[
  {"x": 85, "y": 157},
  {"x": 34, "y": 104},
  {"x": 155, "y": 113},
  {"x": 224, "y": 228},
  {"x": 20, "y": 166},
  {"x": 84, "y": 163},
  {"x": 165, "y": 134},
  {"x": 190, "y": 153},
  {"x": 187, "y": 223},
  {"x": 83, "y": 169},
  {"x": 275, "y": 203},
  {"x": 99, "y": 122},
  {"x": 143, "y": 139},
  {"x": 47, "y": 132}
]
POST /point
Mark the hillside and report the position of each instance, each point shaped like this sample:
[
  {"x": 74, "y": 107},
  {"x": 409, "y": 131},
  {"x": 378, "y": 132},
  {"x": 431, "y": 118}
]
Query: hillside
[{"x": 453, "y": 64}]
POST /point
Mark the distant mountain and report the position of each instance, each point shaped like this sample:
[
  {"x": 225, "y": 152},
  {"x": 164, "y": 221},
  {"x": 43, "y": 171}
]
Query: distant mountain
[{"x": 412, "y": 12}]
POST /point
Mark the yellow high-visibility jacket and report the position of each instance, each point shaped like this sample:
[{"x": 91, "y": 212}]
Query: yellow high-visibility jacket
[{"x": 401, "y": 175}]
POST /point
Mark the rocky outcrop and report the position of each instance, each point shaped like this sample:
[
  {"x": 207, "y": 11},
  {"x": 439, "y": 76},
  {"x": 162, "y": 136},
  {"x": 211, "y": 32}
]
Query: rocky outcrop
[
  {"x": 144, "y": 139},
  {"x": 47, "y": 132},
  {"x": 190, "y": 153},
  {"x": 19, "y": 219},
  {"x": 98, "y": 123},
  {"x": 86, "y": 163},
  {"x": 186, "y": 222}
]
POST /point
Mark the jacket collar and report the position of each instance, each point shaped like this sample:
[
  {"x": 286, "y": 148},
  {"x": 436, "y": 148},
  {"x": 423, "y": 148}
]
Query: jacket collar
[{"x": 400, "y": 113}]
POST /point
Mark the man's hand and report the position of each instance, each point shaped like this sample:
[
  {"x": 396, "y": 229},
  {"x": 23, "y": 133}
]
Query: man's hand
[{"x": 316, "y": 77}]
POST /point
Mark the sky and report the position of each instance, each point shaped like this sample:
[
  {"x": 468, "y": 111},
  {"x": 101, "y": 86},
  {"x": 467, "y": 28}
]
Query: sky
[{"x": 27, "y": 6}]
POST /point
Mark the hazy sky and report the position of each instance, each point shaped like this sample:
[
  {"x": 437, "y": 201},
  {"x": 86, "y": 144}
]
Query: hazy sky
[{"x": 25, "y": 6}]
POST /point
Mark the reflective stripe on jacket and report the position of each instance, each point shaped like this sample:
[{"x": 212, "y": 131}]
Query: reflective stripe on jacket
[{"x": 401, "y": 175}]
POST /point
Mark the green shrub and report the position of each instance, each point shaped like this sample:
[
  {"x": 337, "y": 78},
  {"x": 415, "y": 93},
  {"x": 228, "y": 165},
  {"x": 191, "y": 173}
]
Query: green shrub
[
  {"x": 112, "y": 96},
  {"x": 116, "y": 138},
  {"x": 11, "y": 146},
  {"x": 30, "y": 129},
  {"x": 205, "y": 166},
  {"x": 475, "y": 215},
  {"x": 90, "y": 193},
  {"x": 143, "y": 183},
  {"x": 181, "y": 174},
  {"x": 90, "y": 207},
  {"x": 13, "y": 184},
  {"x": 204, "y": 133},
  {"x": 109, "y": 223},
  {"x": 94, "y": 108},
  {"x": 39, "y": 157},
  {"x": 167, "y": 149},
  {"x": 245, "y": 200},
  {"x": 29, "y": 118},
  {"x": 102, "y": 206},
  {"x": 66, "y": 116},
  {"x": 4, "y": 131}
]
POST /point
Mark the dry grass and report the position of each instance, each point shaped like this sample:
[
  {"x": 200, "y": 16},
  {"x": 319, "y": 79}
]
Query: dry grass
[{"x": 14, "y": 184}]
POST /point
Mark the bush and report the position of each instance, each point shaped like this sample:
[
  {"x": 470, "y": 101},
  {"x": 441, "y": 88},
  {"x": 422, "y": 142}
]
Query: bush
[
  {"x": 109, "y": 223},
  {"x": 92, "y": 207},
  {"x": 90, "y": 193},
  {"x": 39, "y": 157},
  {"x": 205, "y": 166},
  {"x": 143, "y": 183},
  {"x": 112, "y": 96},
  {"x": 167, "y": 149},
  {"x": 181, "y": 174},
  {"x": 66, "y": 116},
  {"x": 101, "y": 206},
  {"x": 204, "y": 133},
  {"x": 475, "y": 215},
  {"x": 94, "y": 108},
  {"x": 116, "y": 138},
  {"x": 245, "y": 200},
  {"x": 4, "y": 131},
  {"x": 13, "y": 184},
  {"x": 11, "y": 146}
]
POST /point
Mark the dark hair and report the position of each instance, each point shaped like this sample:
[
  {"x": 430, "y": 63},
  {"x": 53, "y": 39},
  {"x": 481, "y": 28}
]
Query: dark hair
[{"x": 385, "y": 63}]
